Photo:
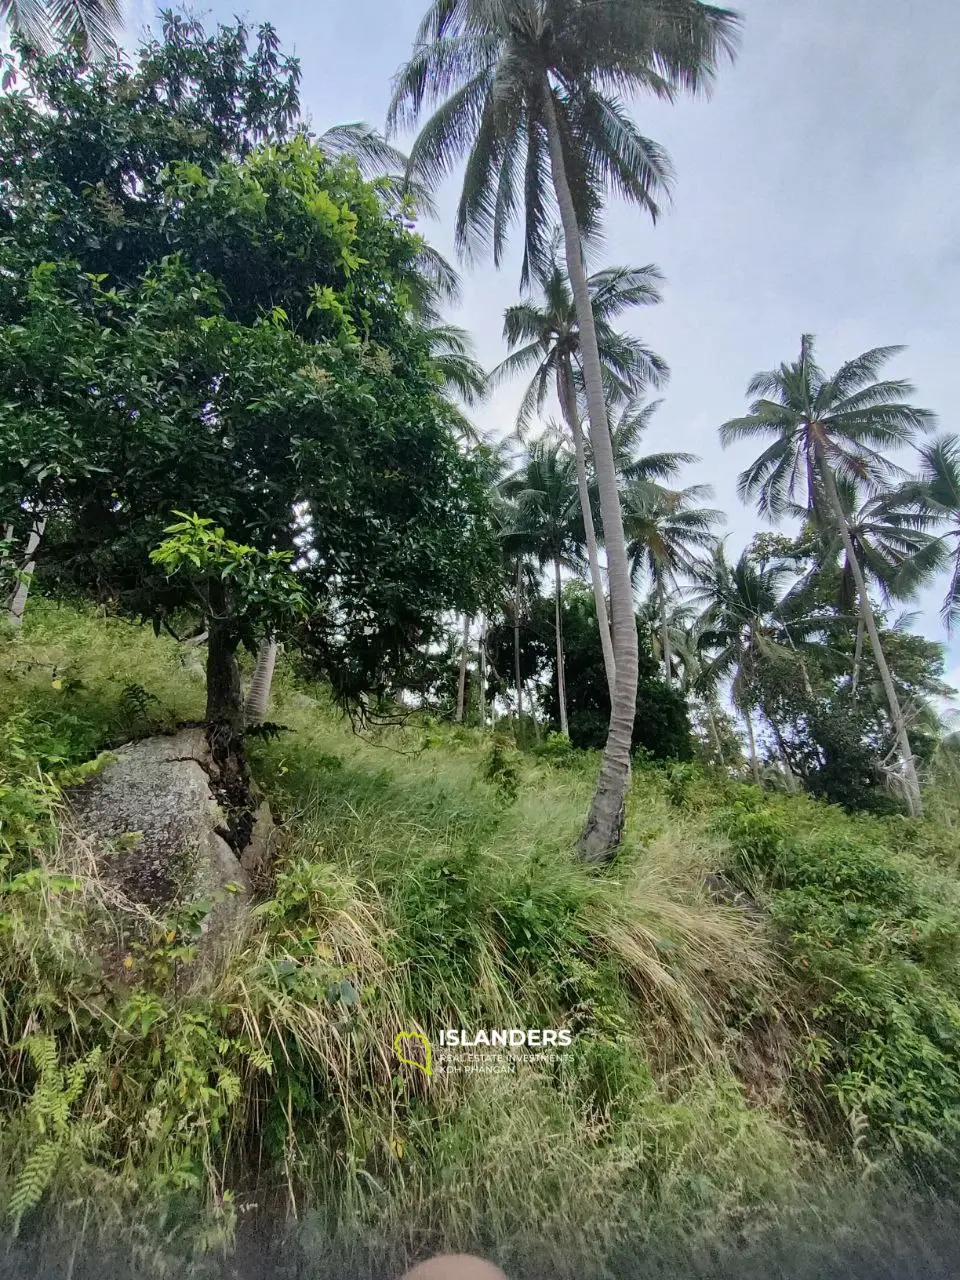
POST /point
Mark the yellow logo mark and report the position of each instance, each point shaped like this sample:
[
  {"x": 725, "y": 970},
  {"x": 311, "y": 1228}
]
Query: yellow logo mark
[{"x": 426, "y": 1068}]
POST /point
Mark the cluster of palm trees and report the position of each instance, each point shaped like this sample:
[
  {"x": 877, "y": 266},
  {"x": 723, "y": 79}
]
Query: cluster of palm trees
[
  {"x": 531, "y": 98},
  {"x": 828, "y": 464}
]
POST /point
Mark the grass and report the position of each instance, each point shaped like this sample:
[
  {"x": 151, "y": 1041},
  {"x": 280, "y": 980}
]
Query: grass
[{"x": 723, "y": 1061}]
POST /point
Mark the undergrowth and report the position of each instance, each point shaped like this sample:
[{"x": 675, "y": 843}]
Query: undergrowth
[{"x": 721, "y": 1057}]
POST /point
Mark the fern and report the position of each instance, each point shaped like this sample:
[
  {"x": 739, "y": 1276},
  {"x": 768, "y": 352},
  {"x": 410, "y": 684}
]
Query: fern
[
  {"x": 34, "y": 1179},
  {"x": 47, "y": 1117},
  {"x": 137, "y": 703},
  {"x": 266, "y": 729}
]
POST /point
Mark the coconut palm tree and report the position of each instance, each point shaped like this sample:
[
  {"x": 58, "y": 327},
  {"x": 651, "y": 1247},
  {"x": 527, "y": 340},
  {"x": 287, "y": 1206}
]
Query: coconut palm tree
[
  {"x": 432, "y": 281},
  {"x": 819, "y": 428},
  {"x": 545, "y": 336},
  {"x": 451, "y": 350},
  {"x": 50, "y": 24},
  {"x": 548, "y": 521},
  {"x": 739, "y": 627},
  {"x": 533, "y": 88},
  {"x": 518, "y": 546},
  {"x": 666, "y": 528},
  {"x": 935, "y": 497},
  {"x": 890, "y": 543},
  {"x": 688, "y": 650}
]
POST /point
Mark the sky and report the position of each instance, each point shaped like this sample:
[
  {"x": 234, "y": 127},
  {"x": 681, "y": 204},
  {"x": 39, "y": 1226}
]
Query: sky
[{"x": 816, "y": 191}]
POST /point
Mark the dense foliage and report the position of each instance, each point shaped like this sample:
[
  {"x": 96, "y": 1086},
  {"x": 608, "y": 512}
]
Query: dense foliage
[
  {"x": 240, "y": 347},
  {"x": 662, "y": 726},
  {"x": 231, "y": 407}
]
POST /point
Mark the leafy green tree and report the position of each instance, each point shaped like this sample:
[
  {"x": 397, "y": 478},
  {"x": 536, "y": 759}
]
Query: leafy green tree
[
  {"x": 332, "y": 443},
  {"x": 545, "y": 336},
  {"x": 836, "y": 737},
  {"x": 661, "y": 725},
  {"x": 86, "y": 149},
  {"x": 531, "y": 89},
  {"x": 819, "y": 427}
]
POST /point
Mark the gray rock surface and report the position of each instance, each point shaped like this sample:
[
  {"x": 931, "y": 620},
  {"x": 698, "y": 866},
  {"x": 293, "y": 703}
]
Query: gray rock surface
[{"x": 161, "y": 837}]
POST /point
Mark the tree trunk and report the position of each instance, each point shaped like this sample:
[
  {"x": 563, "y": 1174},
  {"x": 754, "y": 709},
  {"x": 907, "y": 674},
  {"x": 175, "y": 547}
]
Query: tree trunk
[
  {"x": 482, "y": 666},
  {"x": 18, "y": 601},
  {"x": 561, "y": 680},
  {"x": 462, "y": 686},
  {"x": 604, "y": 825},
  {"x": 664, "y": 633},
  {"x": 712, "y": 723},
  {"x": 516, "y": 646},
  {"x": 912, "y": 789},
  {"x": 754, "y": 762},
  {"x": 258, "y": 695},
  {"x": 567, "y": 394},
  {"x": 789, "y": 776},
  {"x": 224, "y": 697},
  {"x": 857, "y": 656}
]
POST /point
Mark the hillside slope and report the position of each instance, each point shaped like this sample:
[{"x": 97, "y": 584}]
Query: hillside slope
[{"x": 761, "y": 993}]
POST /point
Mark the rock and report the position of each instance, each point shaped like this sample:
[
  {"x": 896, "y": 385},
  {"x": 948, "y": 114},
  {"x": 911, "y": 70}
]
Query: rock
[{"x": 165, "y": 789}]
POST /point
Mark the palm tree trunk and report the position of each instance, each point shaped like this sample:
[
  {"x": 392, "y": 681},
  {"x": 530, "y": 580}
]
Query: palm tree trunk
[
  {"x": 258, "y": 695},
  {"x": 18, "y": 601},
  {"x": 912, "y": 790},
  {"x": 857, "y": 656},
  {"x": 664, "y": 633},
  {"x": 561, "y": 678},
  {"x": 604, "y": 825},
  {"x": 789, "y": 776},
  {"x": 712, "y": 723},
  {"x": 568, "y": 403},
  {"x": 532, "y": 699},
  {"x": 482, "y": 667},
  {"x": 516, "y": 646},
  {"x": 754, "y": 762},
  {"x": 462, "y": 686}
]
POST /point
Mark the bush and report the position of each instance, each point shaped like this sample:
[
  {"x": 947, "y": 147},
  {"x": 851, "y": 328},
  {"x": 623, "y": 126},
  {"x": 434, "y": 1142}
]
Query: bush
[
  {"x": 501, "y": 768},
  {"x": 875, "y": 951}
]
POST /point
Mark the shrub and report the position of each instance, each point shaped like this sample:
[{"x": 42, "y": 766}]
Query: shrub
[
  {"x": 874, "y": 949},
  {"x": 501, "y": 768}
]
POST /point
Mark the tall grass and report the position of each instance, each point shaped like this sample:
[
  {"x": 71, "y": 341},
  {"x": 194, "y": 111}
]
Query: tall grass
[{"x": 422, "y": 884}]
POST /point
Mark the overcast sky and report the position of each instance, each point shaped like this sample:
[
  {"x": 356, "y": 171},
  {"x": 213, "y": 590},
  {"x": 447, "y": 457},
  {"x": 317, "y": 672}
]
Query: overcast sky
[{"x": 817, "y": 191}]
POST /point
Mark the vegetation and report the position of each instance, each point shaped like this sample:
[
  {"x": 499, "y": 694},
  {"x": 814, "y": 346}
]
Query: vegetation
[
  {"x": 544, "y": 83},
  {"x": 719, "y": 1055},
  {"x": 546, "y": 752}
]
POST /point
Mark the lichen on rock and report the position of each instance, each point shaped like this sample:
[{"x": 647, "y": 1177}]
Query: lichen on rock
[{"x": 170, "y": 831}]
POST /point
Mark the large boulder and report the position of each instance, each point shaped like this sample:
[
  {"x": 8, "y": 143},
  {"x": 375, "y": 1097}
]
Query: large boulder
[{"x": 169, "y": 831}]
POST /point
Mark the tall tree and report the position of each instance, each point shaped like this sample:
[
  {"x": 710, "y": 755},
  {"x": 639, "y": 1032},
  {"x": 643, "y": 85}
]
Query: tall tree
[
  {"x": 821, "y": 427},
  {"x": 545, "y": 335},
  {"x": 534, "y": 88},
  {"x": 548, "y": 520},
  {"x": 889, "y": 541},
  {"x": 739, "y": 627},
  {"x": 299, "y": 436},
  {"x": 935, "y": 496},
  {"x": 666, "y": 528}
]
